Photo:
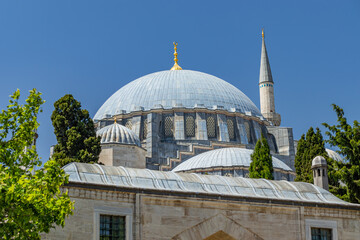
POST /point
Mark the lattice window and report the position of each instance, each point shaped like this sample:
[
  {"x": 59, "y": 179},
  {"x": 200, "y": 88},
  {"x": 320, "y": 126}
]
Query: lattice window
[
  {"x": 112, "y": 227},
  {"x": 190, "y": 126},
  {"x": 321, "y": 234},
  {"x": 128, "y": 124},
  {"x": 231, "y": 129},
  {"x": 247, "y": 129},
  {"x": 169, "y": 126},
  {"x": 210, "y": 125},
  {"x": 145, "y": 129}
]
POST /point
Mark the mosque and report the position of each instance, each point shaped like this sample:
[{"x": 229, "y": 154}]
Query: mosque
[{"x": 176, "y": 151}]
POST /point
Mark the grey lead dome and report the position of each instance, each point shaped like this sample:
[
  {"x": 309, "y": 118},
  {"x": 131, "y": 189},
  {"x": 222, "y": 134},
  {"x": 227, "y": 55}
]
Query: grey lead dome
[
  {"x": 224, "y": 157},
  {"x": 116, "y": 133},
  {"x": 319, "y": 161},
  {"x": 169, "y": 89}
]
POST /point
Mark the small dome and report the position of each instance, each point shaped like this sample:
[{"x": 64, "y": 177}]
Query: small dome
[
  {"x": 116, "y": 133},
  {"x": 334, "y": 155},
  {"x": 318, "y": 161},
  {"x": 169, "y": 89},
  {"x": 224, "y": 157}
]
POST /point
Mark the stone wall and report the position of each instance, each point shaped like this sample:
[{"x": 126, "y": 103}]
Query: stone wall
[
  {"x": 246, "y": 129},
  {"x": 122, "y": 155},
  {"x": 164, "y": 216},
  {"x": 285, "y": 144}
]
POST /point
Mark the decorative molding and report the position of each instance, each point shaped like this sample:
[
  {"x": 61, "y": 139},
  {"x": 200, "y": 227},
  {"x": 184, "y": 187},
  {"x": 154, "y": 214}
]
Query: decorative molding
[
  {"x": 114, "y": 211},
  {"x": 318, "y": 223},
  {"x": 217, "y": 226}
]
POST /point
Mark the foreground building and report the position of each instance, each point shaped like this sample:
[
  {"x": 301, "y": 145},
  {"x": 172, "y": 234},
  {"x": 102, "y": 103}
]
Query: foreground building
[
  {"x": 158, "y": 205},
  {"x": 176, "y": 149}
]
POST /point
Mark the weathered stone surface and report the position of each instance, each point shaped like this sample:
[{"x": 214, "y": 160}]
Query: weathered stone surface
[
  {"x": 157, "y": 216},
  {"x": 122, "y": 155},
  {"x": 285, "y": 144}
]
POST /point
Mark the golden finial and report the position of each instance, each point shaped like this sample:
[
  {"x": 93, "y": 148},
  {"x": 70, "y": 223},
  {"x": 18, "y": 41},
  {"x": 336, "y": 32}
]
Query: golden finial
[
  {"x": 176, "y": 65},
  {"x": 262, "y": 33},
  {"x": 114, "y": 120}
]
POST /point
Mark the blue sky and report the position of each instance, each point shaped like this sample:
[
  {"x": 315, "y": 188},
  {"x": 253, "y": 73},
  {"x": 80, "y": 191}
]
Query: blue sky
[{"x": 92, "y": 48}]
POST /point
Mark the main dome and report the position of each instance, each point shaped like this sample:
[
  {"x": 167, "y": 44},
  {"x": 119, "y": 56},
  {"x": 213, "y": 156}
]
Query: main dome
[{"x": 182, "y": 88}]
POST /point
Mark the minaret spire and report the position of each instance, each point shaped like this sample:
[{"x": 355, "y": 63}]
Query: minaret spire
[
  {"x": 266, "y": 85},
  {"x": 265, "y": 70},
  {"x": 176, "y": 65}
]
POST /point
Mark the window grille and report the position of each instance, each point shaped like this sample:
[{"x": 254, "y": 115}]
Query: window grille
[
  {"x": 145, "y": 129},
  {"x": 128, "y": 124},
  {"x": 247, "y": 129},
  {"x": 321, "y": 234},
  {"x": 169, "y": 126},
  {"x": 210, "y": 125},
  {"x": 190, "y": 126},
  {"x": 231, "y": 129},
  {"x": 112, "y": 227},
  {"x": 243, "y": 136}
]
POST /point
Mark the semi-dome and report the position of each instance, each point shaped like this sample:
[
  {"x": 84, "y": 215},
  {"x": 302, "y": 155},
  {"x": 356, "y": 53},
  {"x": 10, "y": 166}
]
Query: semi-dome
[
  {"x": 224, "y": 157},
  {"x": 334, "y": 155},
  {"x": 182, "y": 88},
  {"x": 116, "y": 133}
]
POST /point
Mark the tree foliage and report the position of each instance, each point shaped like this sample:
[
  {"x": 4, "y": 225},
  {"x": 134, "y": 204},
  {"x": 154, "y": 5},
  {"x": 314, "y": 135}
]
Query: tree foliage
[
  {"x": 30, "y": 200},
  {"x": 261, "y": 165},
  {"x": 347, "y": 139},
  {"x": 75, "y": 133},
  {"x": 309, "y": 146}
]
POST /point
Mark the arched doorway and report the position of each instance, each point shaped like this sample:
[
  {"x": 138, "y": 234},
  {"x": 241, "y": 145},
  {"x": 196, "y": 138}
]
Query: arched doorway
[{"x": 216, "y": 228}]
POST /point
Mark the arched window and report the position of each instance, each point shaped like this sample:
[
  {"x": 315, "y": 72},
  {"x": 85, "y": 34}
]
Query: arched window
[
  {"x": 169, "y": 126},
  {"x": 210, "y": 125},
  {"x": 228, "y": 174},
  {"x": 128, "y": 124},
  {"x": 145, "y": 129},
  {"x": 190, "y": 126},
  {"x": 247, "y": 129},
  {"x": 319, "y": 173},
  {"x": 231, "y": 128}
]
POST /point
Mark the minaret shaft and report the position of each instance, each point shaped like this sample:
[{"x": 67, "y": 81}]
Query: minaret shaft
[{"x": 266, "y": 86}]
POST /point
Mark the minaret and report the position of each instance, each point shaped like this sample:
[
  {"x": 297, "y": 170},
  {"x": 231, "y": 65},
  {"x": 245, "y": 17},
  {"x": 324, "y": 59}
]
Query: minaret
[{"x": 266, "y": 85}]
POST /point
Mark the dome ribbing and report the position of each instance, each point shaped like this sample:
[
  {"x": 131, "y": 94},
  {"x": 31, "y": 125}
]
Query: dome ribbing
[
  {"x": 224, "y": 157},
  {"x": 169, "y": 89},
  {"x": 116, "y": 133}
]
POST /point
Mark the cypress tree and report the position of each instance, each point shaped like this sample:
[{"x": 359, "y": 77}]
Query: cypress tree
[
  {"x": 346, "y": 175},
  {"x": 309, "y": 146},
  {"x": 75, "y": 133},
  {"x": 261, "y": 165}
]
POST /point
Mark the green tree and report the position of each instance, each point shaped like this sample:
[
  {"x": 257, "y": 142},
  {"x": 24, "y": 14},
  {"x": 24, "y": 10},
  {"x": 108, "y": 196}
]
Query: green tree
[
  {"x": 30, "y": 200},
  {"x": 347, "y": 139},
  {"x": 309, "y": 146},
  {"x": 261, "y": 161},
  {"x": 75, "y": 133}
]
